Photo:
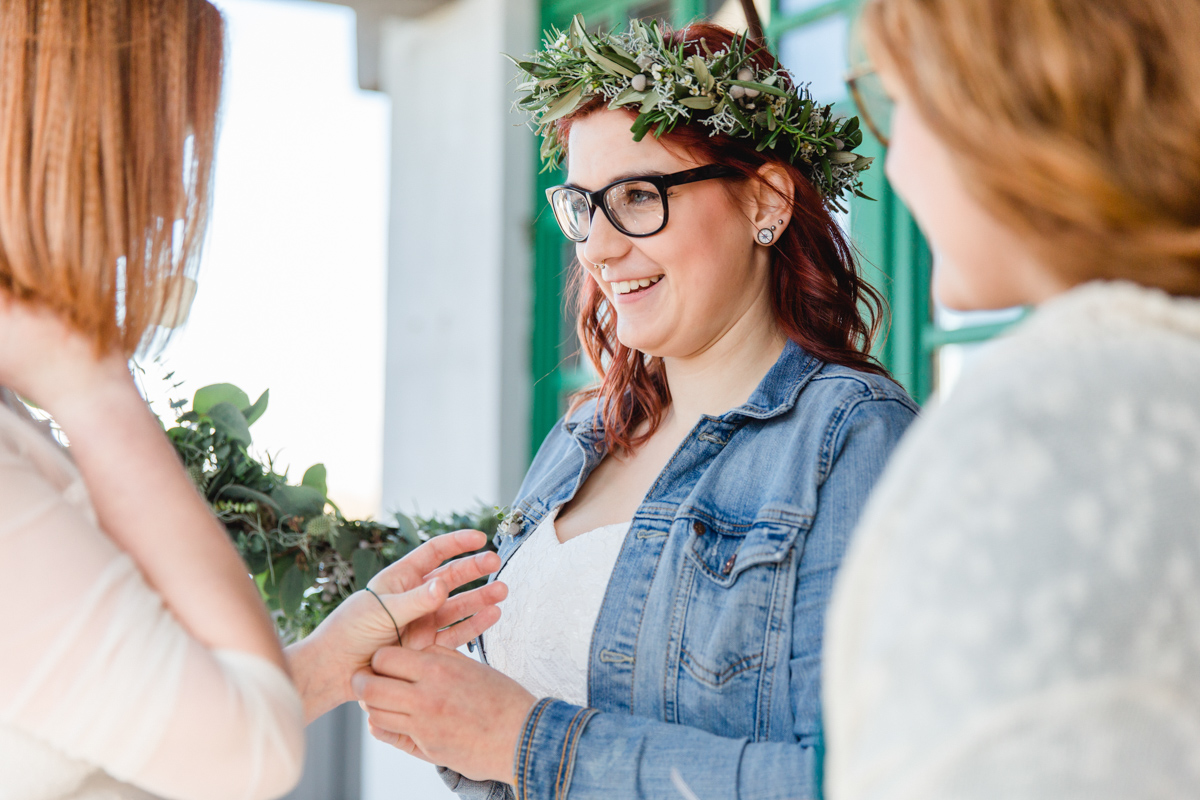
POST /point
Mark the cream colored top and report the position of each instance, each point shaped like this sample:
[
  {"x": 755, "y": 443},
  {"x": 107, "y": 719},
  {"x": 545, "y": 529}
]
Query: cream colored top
[
  {"x": 99, "y": 684},
  {"x": 555, "y": 590},
  {"x": 1019, "y": 612}
]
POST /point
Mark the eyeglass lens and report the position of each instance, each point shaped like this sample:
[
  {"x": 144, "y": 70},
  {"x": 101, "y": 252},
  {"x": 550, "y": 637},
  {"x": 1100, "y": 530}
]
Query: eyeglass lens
[
  {"x": 874, "y": 105},
  {"x": 634, "y": 207},
  {"x": 573, "y": 213}
]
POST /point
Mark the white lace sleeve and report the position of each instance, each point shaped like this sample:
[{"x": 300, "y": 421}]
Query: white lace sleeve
[{"x": 97, "y": 667}]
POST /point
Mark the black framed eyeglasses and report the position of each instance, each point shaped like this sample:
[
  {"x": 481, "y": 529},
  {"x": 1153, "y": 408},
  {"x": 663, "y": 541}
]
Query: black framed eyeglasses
[{"x": 635, "y": 206}]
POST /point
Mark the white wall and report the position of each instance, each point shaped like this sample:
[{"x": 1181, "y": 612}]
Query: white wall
[
  {"x": 458, "y": 293},
  {"x": 457, "y": 385}
]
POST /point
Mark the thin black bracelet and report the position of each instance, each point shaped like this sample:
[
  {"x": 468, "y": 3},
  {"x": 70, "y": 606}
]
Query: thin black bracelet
[{"x": 385, "y": 610}]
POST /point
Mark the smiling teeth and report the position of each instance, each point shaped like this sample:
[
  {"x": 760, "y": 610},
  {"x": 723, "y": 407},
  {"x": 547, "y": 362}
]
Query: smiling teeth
[{"x": 625, "y": 287}]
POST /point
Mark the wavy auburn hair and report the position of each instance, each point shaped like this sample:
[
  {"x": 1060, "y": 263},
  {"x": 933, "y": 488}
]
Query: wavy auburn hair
[
  {"x": 1076, "y": 122},
  {"x": 108, "y": 117},
  {"x": 819, "y": 298}
]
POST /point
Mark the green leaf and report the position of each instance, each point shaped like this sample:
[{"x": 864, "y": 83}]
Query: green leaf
[
  {"x": 291, "y": 590},
  {"x": 762, "y": 87},
  {"x": 703, "y": 102},
  {"x": 578, "y": 32},
  {"x": 606, "y": 63},
  {"x": 536, "y": 70},
  {"x": 346, "y": 543},
  {"x": 805, "y": 115},
  {"x": 209, "y": 396},
  {"x": 640, "y": 126},
  {"x": 406, "y": 528},
  {"x": 299, "y": 501},
  {"x": 625, "y": 54},
  {"x": 698, "y": 66},
  {"x": 564, "y": 106},
  {"x": 260, "y": 405},
  {"x": 314, "y": 477},
  {"x": 366, "y": 563},
  {"x": 228, "y": 420},
  {"x": 235, "y": 492},
  {"x": 652, "y": 100},
  {"x": 256, "y": 561},
  {"x": 628, "y": 95}
]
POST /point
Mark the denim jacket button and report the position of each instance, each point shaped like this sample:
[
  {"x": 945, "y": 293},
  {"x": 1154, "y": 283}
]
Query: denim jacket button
[
  {"x": 728, "y": 568},
  {"x": 698, "y": 527}
]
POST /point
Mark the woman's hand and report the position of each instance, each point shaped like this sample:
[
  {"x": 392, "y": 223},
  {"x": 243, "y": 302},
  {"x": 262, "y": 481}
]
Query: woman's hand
[
  {"x": 446, "y": 708},
  {"x": 415, "y": 590}
]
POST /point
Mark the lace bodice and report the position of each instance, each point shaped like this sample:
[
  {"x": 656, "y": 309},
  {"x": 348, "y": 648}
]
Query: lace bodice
[
  {"x": 1019, "y": 612},
  {"x": 555, "y": 590},
  {"x": 99, "y": 683}
]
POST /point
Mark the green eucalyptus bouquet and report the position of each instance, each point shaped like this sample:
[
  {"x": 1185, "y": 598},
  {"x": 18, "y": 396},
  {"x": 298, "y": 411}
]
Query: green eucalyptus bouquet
[
  {"x": 724, "y": 89},
  {"x": 304, "y": 554}
]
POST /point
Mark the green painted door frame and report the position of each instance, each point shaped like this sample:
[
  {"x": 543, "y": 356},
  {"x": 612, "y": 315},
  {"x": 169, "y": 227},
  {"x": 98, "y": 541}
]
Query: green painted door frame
[{"x": 895, "y": 255}]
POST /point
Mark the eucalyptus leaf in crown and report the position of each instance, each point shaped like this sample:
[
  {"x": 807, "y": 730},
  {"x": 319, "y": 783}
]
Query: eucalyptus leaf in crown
[{"x": 723, "y": 90}]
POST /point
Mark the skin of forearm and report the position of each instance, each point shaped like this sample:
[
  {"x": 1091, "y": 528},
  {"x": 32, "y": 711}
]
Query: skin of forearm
[
  {"x": 147, "y": 505},
  {"x": 320, "y": 679}
]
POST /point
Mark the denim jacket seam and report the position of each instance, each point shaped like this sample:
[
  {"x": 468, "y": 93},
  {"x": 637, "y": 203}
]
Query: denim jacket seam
[
  {"x": 531, "y": 723},
  {"x": 653, "y": 574},
  {"x": 772, "y": 657},
  {"x": 562, "y": 756},
  {"x": 637, "y": 637},
  {"x": 570, "y": 746},
  {"x": 670, "y": 675},
  {"x": 837, "y": 424}
]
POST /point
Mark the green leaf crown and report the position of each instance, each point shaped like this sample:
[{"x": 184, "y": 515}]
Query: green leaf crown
[{"x": 723, "y": 90}]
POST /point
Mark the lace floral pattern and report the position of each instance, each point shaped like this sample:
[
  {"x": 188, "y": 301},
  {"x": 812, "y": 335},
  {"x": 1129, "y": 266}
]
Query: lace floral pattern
[
  {"x": 1019, "y": 615},
  {"x": 556, "y": 588}
]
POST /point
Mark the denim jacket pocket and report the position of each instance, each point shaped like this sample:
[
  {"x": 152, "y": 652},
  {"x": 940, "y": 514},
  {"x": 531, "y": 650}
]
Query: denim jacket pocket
[
  {"x": 737, "y": 618},
  {"x": 724, "y": 552}
]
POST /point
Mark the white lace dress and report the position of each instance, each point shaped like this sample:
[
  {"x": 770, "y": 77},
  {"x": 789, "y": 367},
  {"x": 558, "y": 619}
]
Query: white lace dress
[
  {"x": 1019, "y": 613},
  {"x": 100, "y": 687},
  {"x": 555, "y": 590}
]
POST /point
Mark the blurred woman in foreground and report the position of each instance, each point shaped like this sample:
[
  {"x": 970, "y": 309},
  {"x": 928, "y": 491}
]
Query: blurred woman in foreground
[
  {"x": 136, "y": 652},
  {"x": 1019, "y": 613}
]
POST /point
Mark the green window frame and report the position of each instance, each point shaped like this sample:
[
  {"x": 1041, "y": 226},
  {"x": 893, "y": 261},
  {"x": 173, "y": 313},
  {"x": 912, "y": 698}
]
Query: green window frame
[{"x": 896, "y": 257}]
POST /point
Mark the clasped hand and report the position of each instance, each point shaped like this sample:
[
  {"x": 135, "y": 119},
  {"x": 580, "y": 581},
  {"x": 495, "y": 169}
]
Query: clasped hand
[
  {"x": 415, "y": 591},
  {"x": 423, "y": 697}
]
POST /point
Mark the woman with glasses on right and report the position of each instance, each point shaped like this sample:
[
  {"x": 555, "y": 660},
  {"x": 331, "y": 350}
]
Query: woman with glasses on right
[{"x": 1019, "y": 612}]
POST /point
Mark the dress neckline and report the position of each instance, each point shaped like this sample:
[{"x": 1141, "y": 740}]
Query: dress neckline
[{"x": 552, "y": 518}]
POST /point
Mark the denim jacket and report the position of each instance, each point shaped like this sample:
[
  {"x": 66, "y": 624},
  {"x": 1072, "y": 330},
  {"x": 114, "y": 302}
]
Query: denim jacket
[{"x": 705, "y": 657}]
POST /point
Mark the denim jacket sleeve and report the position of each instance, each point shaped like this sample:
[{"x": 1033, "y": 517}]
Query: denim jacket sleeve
[{"x": 584, "y": 754}]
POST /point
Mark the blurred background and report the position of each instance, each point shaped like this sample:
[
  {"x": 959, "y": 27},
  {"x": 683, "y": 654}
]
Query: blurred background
[{"x": 382, "y": 261}]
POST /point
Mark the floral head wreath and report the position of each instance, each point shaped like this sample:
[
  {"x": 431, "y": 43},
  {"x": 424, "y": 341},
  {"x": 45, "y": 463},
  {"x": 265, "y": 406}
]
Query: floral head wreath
[{"x": 723, "y": 90}]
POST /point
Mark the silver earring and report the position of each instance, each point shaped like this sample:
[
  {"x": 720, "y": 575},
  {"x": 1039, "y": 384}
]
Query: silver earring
[{"x": 766, "y": 235}]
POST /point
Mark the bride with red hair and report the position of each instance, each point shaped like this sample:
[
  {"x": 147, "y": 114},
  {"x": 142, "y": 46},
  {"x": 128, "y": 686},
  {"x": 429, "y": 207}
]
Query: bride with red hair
[{"x": 674, "y": 544}]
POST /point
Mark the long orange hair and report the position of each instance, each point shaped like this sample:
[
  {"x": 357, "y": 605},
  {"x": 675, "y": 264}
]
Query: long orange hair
[
  {"x": 1076, "y": 122},
  {"x": 108, "y": 117},
  {"x": 819, "y": 298}
]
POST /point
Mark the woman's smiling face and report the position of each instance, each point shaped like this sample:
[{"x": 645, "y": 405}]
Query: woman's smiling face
[{"x": 704, "y": 269}]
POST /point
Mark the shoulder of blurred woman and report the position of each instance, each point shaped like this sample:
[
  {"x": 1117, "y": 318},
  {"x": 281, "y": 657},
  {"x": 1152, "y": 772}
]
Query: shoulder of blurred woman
[
  {"x": 1063, "y": 466},
  {"x": 1102, "y": 341},
  {"x": 1100, "y": 380}
]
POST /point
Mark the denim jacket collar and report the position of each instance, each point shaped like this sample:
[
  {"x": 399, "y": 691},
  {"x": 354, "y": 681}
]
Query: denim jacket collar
[{"x": 775, "y": 394}]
